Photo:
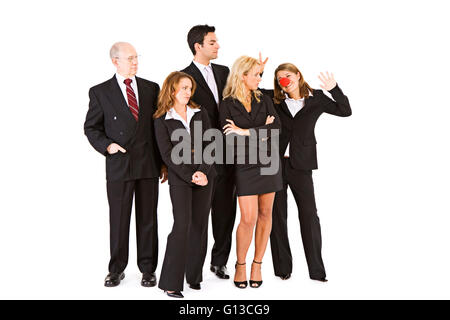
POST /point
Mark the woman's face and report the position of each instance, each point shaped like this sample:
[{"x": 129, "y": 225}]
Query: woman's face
[
  {"x": 292, "y": 85},
  {"x": 252, "y": 79},
  {"x": 183, "y": 91}
]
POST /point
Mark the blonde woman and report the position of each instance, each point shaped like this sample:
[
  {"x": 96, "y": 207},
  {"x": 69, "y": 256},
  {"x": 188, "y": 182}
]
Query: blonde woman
[
  {"x": 190, "y": 185},
  {"x": 246, "y": 112}
]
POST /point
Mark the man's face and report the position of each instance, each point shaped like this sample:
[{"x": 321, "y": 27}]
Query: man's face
[
  {"x": 210, "y": 47},
  {"x": 126, "y": 61}
]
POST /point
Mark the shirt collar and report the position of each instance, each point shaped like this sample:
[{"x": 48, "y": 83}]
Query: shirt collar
[
  {"x": 293, "y": 100},
  {"x": 200, "y": 66},
  {"x": 172, "y": 114},
  {"x": 121, "y": 79}
]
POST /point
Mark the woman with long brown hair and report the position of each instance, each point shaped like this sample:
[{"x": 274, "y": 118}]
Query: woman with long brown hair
[
  {"x": 299, "y": 106},
  {"x": 190, "y": 183},
  {"x": 247, "y": 113}
]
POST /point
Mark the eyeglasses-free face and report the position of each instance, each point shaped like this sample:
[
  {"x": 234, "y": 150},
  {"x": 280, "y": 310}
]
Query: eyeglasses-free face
[{"x": 288, "y": 80}]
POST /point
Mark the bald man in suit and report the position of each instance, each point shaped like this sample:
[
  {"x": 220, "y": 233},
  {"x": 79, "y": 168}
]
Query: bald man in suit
[{"x": 119, "y": 125}]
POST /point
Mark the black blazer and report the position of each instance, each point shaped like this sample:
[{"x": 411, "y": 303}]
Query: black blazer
[
  {"x": 203, "y": 95},
  {"x": 109, "y": 120},
  {"x": 181, "y": 174},
  {"x": 298, "y": 131},
  {"x": 233, "y": 109}
]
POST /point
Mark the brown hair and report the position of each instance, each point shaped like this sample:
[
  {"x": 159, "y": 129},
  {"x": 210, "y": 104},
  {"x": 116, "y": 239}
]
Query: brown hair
[
  {"x": 303, "y": 87},
  {"x": 166, "y": 98}
]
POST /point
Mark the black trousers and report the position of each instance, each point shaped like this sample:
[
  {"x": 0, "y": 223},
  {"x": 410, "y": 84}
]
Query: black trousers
[
  {"x": 223, "y": 215},
  {"x": 301, "y": 184},
  {"x": 120, "y": 198},
  {"x": 187, "y": 243}
]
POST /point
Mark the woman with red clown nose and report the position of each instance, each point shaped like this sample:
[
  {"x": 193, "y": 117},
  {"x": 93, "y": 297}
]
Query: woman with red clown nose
[{"x": 299, "y": 106}]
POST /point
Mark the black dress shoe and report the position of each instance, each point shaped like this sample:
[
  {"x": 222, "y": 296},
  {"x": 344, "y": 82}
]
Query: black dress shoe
[
  {"x": 320, "y": 279},
  {"x": 113, "y": 279},
  {"x": 285, "y": 276},
  {"x": 220, "y": 271},
  {"x": 195, "y": 286},
  {"x": 174, "y": 294},
  {"x": 148, "y": 279}
]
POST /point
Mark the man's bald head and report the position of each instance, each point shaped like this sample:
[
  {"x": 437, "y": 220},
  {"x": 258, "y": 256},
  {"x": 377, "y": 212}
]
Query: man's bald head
[
  {"x": 117, "y": 47},
  {"x": 124, "y": 57}
]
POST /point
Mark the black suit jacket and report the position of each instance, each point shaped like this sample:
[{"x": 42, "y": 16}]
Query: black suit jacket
[
  {"x": 233, "y": 109},
  {"x": 181, "y": 174},
  {"x": 298, "y": 131},
  {"x": 203, "y": 95},
  {"x": 109, "y": 120}
]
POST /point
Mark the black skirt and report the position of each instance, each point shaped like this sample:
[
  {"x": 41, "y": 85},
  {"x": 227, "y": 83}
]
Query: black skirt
[{"x": 250, "y": 181}]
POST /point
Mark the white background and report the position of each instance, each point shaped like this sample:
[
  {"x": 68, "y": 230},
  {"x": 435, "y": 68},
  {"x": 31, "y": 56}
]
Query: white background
[{"x": 382, "y": 187}]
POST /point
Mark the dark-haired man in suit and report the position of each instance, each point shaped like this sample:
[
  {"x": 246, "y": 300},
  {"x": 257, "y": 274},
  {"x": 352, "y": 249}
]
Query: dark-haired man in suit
[
  {"x": 119, "y": 125},
  {"x": 211, "y": 80}
]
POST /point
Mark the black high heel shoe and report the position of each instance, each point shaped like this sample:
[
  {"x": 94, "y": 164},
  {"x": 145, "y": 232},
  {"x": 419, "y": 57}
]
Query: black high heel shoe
[
  {"x": 240, "y": 284},
  {"x": 253, "y": 283}
]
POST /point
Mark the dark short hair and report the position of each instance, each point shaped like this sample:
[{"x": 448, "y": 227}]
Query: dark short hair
[{"x": 197, "y": 35}]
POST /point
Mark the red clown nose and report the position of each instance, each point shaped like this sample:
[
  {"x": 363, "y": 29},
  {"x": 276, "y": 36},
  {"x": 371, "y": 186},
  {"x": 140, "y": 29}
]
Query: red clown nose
[{"x": 284, "y": 82}]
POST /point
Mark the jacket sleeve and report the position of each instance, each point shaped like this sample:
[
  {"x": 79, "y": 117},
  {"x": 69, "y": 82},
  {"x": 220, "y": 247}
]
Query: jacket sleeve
[
  {"x": 94, "y": 127},
  {"x": 165, "y": 147},
  {"x": 340, "y": 106},
  {"x": 274, "y": 128}
]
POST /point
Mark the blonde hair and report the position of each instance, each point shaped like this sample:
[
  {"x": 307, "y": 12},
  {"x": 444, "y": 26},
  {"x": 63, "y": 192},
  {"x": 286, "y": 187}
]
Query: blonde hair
[
  {"x": 235, "y": 87},
  {"x": 303, "y": 87},
  {"x": 166, "y": 98}
]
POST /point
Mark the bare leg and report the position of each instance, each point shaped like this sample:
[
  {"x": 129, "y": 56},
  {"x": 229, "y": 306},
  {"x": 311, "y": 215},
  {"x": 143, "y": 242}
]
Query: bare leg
[
  {"x": 244, "y": 233},
  {"x": 262, "y": 234}
]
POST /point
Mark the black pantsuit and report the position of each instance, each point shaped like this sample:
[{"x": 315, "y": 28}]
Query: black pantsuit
[
  {"x": 301, "y": 184},
  {"x": 223, "y": 210},
  {"x": 298, "y": 132},
  {"x": 136, "y": 171},
  {"x": 187, "y": 243},
  {"x": 120, "y": 198}
]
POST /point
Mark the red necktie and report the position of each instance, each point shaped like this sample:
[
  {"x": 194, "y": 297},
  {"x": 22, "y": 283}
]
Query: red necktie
[{"x": 132, "y": 102}]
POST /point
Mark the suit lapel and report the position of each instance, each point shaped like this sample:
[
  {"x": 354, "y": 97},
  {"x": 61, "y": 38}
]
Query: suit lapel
[
  {"x": 239, "y": 106},
  {"x": 198, "y": 77},
  {"x": 220, "y": 84},
  {"x": 308, "y": 104},
  {"x": 255, "y": 108},
  {"x": 118, "y": 100},
  {"x": 143, "y": 98},
  {"x": 284, "y": 108}
]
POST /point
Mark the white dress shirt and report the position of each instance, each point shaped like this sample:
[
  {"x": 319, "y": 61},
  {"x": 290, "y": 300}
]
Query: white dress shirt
[
  {"x": 123, "y": 87},
  {"x": 294, "y": 106},
  {"x": 208, "y": 74},
  {"x": 172, "y": 114}
]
